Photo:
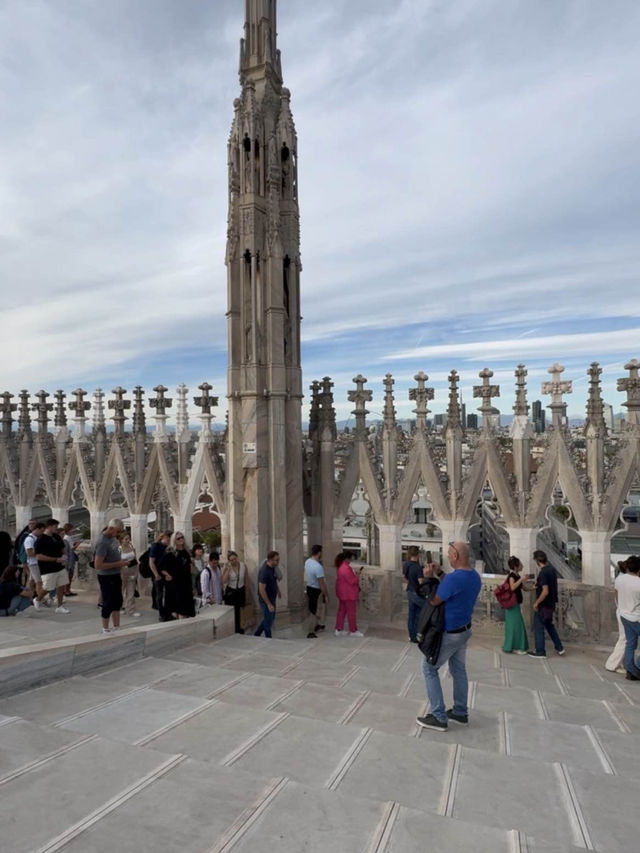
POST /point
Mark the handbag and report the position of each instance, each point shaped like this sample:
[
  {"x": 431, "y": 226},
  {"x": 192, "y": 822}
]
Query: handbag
[{"x": 505, "y": 596}]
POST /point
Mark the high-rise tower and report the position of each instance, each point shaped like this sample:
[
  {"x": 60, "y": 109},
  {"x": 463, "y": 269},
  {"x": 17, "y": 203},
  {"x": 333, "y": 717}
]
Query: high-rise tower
[{"x": 264, "y": 452}]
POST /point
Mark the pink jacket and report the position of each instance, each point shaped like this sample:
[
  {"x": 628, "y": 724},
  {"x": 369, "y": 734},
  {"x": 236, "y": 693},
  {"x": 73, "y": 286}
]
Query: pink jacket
[{"x": 347, "y": 583}]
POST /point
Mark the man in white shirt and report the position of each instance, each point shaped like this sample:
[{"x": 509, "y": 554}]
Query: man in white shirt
[
  {"x": 628, "y": 599},
  {"x": 35, "y": 578},
  {"x": 316, "y": 586}
]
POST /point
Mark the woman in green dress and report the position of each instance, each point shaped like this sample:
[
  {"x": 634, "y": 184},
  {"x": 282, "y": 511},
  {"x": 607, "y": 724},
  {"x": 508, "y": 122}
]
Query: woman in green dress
[{"x": 515, "y": 633}]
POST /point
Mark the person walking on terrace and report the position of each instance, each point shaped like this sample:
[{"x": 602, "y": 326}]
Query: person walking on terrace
[
  {"x": 129, "y": 576},
  {"x": 628, "y": 599},
  {"x": 268, "y": 593},
  {"x": 49, "y": 550},
  {"x": 175, "y": 567},
  {"x": 316, "y": 588},
  {"x": 412, "y": 570},
  {"x": 544, "y": 607},
  {"x": 35, "y": 578},
  {"x": 457, "y": 592},
  {"x": 615, "y": 661},
  {"x": 109, "y": 563},
  {"x": 234, "y": 576},
  {"x": 347, "y": 593},
  {"x": 515, "y": 632}
]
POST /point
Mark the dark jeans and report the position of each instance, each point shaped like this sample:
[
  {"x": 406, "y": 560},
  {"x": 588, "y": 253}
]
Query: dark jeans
[
  {"x": 164, "y": 613},
  {"x": 543, "y": 621},
  {"x": 111, "y": 593},
  {"x": 632, "y": 634},
  {"x": 415, "y": 607},
  {"x": 268, "y": 618}
]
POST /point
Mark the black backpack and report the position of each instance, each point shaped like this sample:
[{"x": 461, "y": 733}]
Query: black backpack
[{"x": 144, "y": 568}]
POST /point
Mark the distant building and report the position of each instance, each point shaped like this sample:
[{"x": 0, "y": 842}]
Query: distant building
[
  {"x": 440, "y": 421},
  {"x": 538, "y": 416},
  {"x": 472, "y": 421}
]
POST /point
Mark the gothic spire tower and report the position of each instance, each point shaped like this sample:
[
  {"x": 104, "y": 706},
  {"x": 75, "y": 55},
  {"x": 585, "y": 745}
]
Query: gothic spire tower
[{"x": 264, "y": 454}]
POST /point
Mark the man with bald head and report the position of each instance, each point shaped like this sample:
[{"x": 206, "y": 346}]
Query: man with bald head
[{"x": 458, "y": 592}]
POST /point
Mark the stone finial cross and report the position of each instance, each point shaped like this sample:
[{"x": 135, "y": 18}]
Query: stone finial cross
[
  {"x": 454, "y": 414},
  {"x": 119, "y": 406},
  {"x": 80, "y": 407},
  {"x": 421, "y": 396},
  {"x": 160, "y": 402},
  {"x": 205, "y": 401},
  {"x": 556, "y": 388},
  {"x": 389, "y": 408},
  {"x": 360, "y": 397},
  {"x": 631, "y": 385},
  {"x": 486, "y": 392},
  {"x": 139, "y": 419},
  {"x": 7, "y": 408},
  {"x": 595, "y": 405},
  {"x": 42, "y": 408},
  {"x": 326, "y": 412},
  {"x": 61, "y": 416},
  {"x": 521, "y": 406}
]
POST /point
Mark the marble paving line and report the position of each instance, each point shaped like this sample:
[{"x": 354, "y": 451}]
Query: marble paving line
[
  {"x": 616, "y": 717},
  {"x": 348, "y": 759},
  {"x": 249, "y": 816},
  {"x": 353, "y": 709},
  {"x": 107, "y": 702},
  {"x": 382, "y": 834},
  {"x": 219, "y": 690},
  {"x": 574, "y": 811},
  {"x": 286, "y": 695},
  {"x": 40, "y": 762},
  {"x": 111, "y": 805},
  {"x": 248, "y": 744},
  {"x": 605, "y": 760},
  {"x": 451, "y": 782},
  {"x": 143, "y": 741}
]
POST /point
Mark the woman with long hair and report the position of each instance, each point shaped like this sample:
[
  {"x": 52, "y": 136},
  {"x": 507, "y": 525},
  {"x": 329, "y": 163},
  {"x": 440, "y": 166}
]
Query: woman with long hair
[
  {"x": 234, "y": 576},
  {"x": 14, "y": 598},
  {"x": 198, "y": 563},
  {"x": 515, "y": 632},
  {"x": 129, "y": 575},
  {"x": 347, "y": 593},
  {"x": 177, "y": 565}
]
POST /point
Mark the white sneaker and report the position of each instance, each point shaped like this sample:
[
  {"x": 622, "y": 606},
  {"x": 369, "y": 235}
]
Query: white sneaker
[
  {"x": 135, "y": 615},
  {"x": 37, "y": 604},
  {"x": 339, "y": 633},
  {"x": 62, "y": 609},
  {"x": 106, "y": 631},
  {"x": 356, "y": 634}
]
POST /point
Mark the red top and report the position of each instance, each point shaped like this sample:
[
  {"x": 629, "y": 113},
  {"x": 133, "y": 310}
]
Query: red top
[{"x": 347, "y": 583}]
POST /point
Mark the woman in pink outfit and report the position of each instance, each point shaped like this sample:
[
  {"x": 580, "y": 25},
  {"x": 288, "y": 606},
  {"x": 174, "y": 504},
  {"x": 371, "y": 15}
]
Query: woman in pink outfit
[{"x": 347, "y": 593}]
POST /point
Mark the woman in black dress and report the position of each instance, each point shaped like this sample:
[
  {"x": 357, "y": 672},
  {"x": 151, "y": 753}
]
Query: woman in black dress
[{"x": 177, "y": 563}]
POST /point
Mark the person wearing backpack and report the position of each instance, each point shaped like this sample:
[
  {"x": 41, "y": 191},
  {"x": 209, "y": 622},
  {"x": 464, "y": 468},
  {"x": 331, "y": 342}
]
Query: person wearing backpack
[
  {"x": 515, "y": 632},
  {"x": 210, "y": 581}
]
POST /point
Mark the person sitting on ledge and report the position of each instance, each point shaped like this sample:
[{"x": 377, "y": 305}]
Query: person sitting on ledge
[{"x": 14, "y": 598}]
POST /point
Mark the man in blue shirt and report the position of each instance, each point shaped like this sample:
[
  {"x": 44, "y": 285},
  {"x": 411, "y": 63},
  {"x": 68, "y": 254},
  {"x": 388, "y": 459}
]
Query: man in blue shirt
[
  {"x": 458, "y": 592},
  {"x": 268, "y": 592}
]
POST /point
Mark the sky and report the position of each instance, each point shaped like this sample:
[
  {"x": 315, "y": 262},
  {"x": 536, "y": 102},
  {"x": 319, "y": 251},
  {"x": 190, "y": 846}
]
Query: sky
[{"x": 469, "y": 191}]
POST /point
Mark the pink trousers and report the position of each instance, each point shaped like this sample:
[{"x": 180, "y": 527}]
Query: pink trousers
[{"x": 347, "y": 609}]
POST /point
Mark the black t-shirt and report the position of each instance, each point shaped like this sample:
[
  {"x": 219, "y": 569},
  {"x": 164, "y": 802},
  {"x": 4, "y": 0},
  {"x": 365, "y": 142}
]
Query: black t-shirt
[
  {"x": 518, "y": 591},
  {"x": 7, "y": 592},
  {"x": 413, "y": 575},
  {"x": 267, "y": 576},
  {"x": 49, "y": 546},
  {"x": 548, "y": 577}
]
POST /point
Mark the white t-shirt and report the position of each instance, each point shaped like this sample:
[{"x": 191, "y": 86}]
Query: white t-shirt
[
  {"x": 628, "y": 587},
  {"x": 312, "y": 571},
  {"x": 30, "y": 542}
]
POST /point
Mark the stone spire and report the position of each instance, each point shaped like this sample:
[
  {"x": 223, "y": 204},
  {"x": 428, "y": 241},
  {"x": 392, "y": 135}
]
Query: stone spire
[
  {"x": 139, "y": 419},
  {"x": 206, "y": 403},
  {"x": 7, "y": 408},
  {"x": 80, "y": 407},
  {"x": 421, "y": 396},
  {"x": 314, "y": 409},
  {"x": 98, "y": 423},
  {"x": 631, "y": 385},
  {"x": 42, "y": 408},
  {"x": 521, "y": 406},
  {"x": 327, "y": 413},
  {"x": 258, "y": 48},
  {"x": 595, "y": 404},
  {"x": 60, "y": 419},
  {"x": 389, "y": 408},
  {"x": 119, "y": 406},
  {"x": 454, "y": 414},
  {"x": 486, "y": 392},
  {"x": 160, "y": 403},
  {"x": 360, "y": 397},
  {"x": 182, "y": 413},
  {"x": 556, "y": 388}
]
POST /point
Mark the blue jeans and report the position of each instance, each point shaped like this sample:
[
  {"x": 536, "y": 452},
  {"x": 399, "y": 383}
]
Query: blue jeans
[
  {"x": 632, "y": 634},
  {"x": 268, "y": 618},
  {"x": 543, "y": 621},
  {"x": 415, "y": 606},
  {"x": 454, "y": 652},
  {"x": 18, "y": 604}
]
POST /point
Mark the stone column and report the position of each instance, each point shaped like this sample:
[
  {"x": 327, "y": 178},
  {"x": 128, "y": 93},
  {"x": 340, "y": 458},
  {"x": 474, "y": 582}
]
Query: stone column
[
  {"x": 97, "y": 521},
  {"x": 61, "y": 513},
  {"x": 390, "y": 546},
  {"x": 23, "y": 517},
  {"x": 224, "y": 536},
  {"x": 522, "y": 544},
  {"x": 139, "y": 535},
  {"x": 185, "y": 526},
  {"x": 453, "y": 530},
  {"x": 596, "y": 557}
]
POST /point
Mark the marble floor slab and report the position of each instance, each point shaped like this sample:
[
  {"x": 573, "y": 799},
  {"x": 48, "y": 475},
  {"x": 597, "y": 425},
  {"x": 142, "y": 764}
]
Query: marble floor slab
[
  {"x": 485, "y": 731},
  {"x": 377, "y": 658},
  {"x": 610, "y": 808},
  {"x": 68, "y": 789},
  {"x": 413, "y": 830},
  {"x": 216, "y": 732},
  {"x": 623, "y": 750},
  {"x": 390, "y": 714},
  {"x": 630, "y": 715},
  {"x": 258, "y": 691},
  {"x": 261, "y": 663},
  {"x": 531, "y": 797},
  {"x": 305, "y": 750},
  {"x": 378, "y": 681},
  {"x": 143, "y": 671},
  {"x": 590, "y": 688},
  {"x": 330, "y": 675},
  {"x": 517, "y": 700},
  {"x": 213, "y": 654},
  {"x": 22, "y": 742},
  {"x": 582, "y": 712},
  {"x": 533, "y": 679},
  {"x": 203, "y": 681},
  {"x": 135, "y": 716},
  {"x": 553, "y": 741},
  {"x": 394, "y": 768},
  {"x": 61, "y": 699},
  {"x": 319, "y": 702}
]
